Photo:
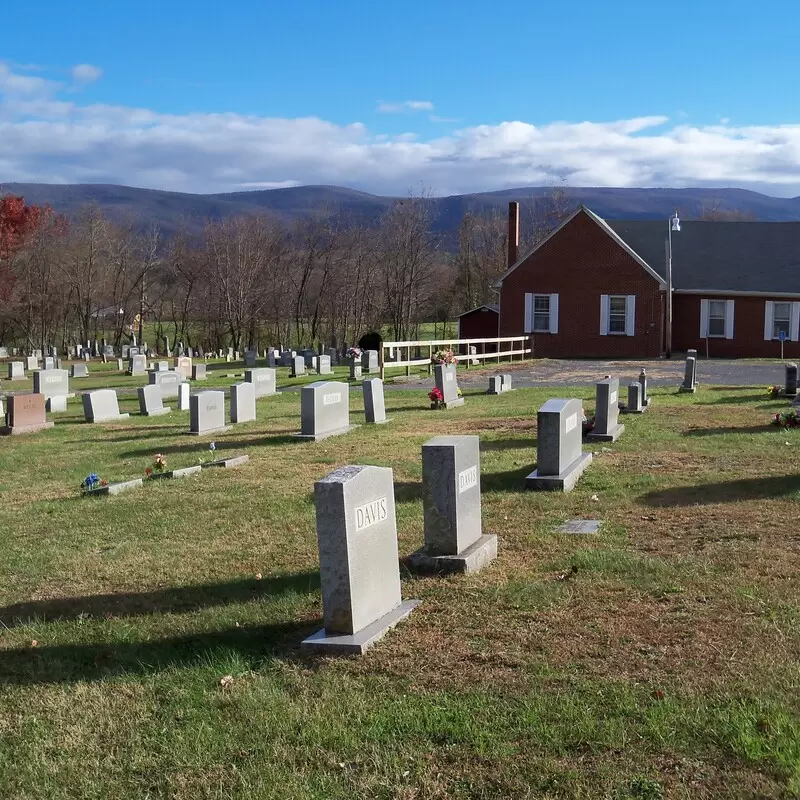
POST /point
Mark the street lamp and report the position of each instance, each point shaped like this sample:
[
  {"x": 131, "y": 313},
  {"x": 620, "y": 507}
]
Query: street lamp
[{"x": 674, "y": 224}]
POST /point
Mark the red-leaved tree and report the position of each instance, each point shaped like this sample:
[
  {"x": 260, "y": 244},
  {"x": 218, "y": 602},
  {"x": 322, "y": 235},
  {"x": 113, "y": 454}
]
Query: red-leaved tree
[{"x": 17, "y": 221}]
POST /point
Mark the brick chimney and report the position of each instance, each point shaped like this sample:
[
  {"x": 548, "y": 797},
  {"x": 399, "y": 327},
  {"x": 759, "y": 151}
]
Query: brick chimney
[{"x": 513, "y": 233}]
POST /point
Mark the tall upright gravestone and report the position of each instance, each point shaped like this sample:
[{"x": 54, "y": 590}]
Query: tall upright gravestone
[
  {"x": 16, "y": 371},
  {"x": 688, "y": 384},
  {"x": 324, "y": 410},
  {"x": 374, "y": 406},
  {"x": 451, "y": 485},
  {"x": 445, "y": 377},
  {"x": 606, "y": 425},
  {"x": 151, "y": 401},
  {"x": 560, "y": 459},
  {"x": 358, "y": 559},
  {"x": 263, "y": 380},
  {"x": 243, "y": 402},
  {"x": 167, "y": 381},
  {"x": 137, "y": 364},
  {"x": 790, "y": 386},
  {"x": 207, "y": 413},
  {"x": 298, "y": 366},
  {"x": 102, "y": 405},
  {"x": 25, "y": 414}
]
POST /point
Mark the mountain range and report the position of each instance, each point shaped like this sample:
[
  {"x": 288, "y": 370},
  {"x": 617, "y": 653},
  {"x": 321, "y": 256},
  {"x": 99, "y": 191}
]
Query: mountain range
[{"x": 170, "y": 210}]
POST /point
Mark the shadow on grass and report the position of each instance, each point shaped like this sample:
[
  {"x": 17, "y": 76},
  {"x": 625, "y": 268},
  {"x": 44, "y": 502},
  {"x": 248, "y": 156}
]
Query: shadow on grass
[
  {"x": 510, "y": 481},
  {"x": 195, "y": 443},
  {"x": 508, "y": 444},
  {"x": 71, "y": 663},
  {"x": 725, "y": 491},
  {"x": 760, "y": 400},
  {"x": 172, "y": 600},
  {"x": 407, "y": 491},
  {"x": 731, "y": 429}
]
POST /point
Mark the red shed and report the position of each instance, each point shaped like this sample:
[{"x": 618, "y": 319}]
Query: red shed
[{"x": 482, "y": 322}]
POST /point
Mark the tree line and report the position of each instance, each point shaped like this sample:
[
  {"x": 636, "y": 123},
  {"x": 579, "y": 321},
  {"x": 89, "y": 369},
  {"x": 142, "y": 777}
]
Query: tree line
[{"x": 248, "y": 280}]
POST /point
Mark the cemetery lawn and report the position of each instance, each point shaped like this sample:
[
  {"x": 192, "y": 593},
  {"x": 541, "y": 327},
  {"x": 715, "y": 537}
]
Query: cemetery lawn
[{"x": 149, "y": 641}]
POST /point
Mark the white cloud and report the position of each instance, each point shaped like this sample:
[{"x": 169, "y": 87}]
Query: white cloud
[
  {"x": 86, "y": 73},
  {"x": 405, "y": 107},
  {"x": 45, "y": 137}
]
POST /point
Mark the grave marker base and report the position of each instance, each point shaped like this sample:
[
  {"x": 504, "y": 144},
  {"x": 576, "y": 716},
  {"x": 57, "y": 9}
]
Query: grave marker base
[
  {"x": 210, "y": 431},
  {"x": 227, "y": 463},
  {"x": 157, "y": 413},
  {"x": 631, "y": 411},
  {"x": 611, "y": 436},
  {"x": 100, "y": 420},
  {"x": 471, "y": 559},
  {"x": 459, "y": 401},
  {"x": 19, "y": 429},
  {"x": 565, "y": 482},
  {"x": 177, "y": 473},
  {"x": 317, "y": 437},
  {"x": 359, "y": 642},
  {"x": 116, "y": 488},
  {"x": 687, "y": 390}
]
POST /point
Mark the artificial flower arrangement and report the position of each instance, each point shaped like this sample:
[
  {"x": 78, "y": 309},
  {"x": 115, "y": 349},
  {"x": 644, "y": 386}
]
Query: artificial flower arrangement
[
  {"x": 354, "y": 353},
  {"x": 92, "y": 482},
  {"x": 159, "y": 465},
  {"x": 774, "y": 391},
  {"x": 787, "y": 419},
  {"x": 588, "y": 424},
  {"x": 444, "y": 357},
  {"x": 436, "y": 397}
]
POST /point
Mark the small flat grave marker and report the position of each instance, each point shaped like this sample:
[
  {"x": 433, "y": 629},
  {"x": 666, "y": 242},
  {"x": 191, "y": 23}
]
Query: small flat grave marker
[{"x": 580, "y": 526}]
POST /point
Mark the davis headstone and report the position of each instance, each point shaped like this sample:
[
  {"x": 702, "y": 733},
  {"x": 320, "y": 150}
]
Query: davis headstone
[
  {"x": 16, "y": 371},
  {"x": 263, "y": 380},
  {"x": 25, "y": 414},
  {"x": 358, "y": 559},
  {"x": 243, "y": 402},
  {"x": 560, "y": 460},
  {"x": 168, "y": 382},
  {"x": 324, "y": 410},
  {"x": 445, "y": 377},
  {"x": 374, "y": 406},
  {"x": 151, "y": 401},
  {"x": 606, "y": 415},
  {"x": 451, "y": 497},
  {"x": 207, "y": 413},
  {"x": 102, "y": 406}
]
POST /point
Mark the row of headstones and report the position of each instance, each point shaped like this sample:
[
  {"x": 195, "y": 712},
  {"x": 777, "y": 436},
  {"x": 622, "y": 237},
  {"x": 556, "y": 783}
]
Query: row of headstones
[{"x": 358, "y": 548}]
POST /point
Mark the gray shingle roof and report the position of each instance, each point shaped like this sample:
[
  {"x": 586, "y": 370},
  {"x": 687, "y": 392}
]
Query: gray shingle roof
[
  {"x": 726, "y": 256},
  {"x": 491, "y": 306}
]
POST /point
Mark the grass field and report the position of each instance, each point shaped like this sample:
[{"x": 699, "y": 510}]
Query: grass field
[{"x": 658, "y": 658}]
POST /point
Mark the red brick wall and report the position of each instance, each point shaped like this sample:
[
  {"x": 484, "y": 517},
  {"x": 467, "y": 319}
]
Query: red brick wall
[
  {"x": 580, "y": 263},
  {"x": 748, "y": 329}
]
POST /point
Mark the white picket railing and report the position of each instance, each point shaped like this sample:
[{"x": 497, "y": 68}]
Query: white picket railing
[{"x": 521, "y": 346}]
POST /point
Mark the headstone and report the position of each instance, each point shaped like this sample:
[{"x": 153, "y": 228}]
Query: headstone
[
  {"x": 263, "y": 380},
  {"x": 693, "y": 354},
  {"x": 31, "y": 363},
  {"x": 324, "y": 410},
  {"x": 790, "y": 389},
  {"x": 168, "y": 382},
  {"x": 445, "y": 376},
  {"x": 183, "y": 366},
  {"x": 635, "y": 399},
  {"x": 102, "y": 406},
  {"x": 151, "y": 401},
  {"x": 451, "y": 497},
  {"x": 16, "y": 371},
  {"x": 120, "y": 365},
  {"x": 506, "y": 382},
  {"x": 495, "y": 384},
  {"x": 37, "y": 354},
  {"x": 333, "y": 355},
  {"x": 243, "y": 402},
  {"x": 358, "y": 559},
  {"x": 374, "y": 407},
  {"x": 308, "y": 357},
  {"x": 161, "y": 366},
  {"x": 56, "y": 403},
  {"x": 560, "y": 460},
  {"x": 237, "y": 356},
  {"x": 79, "y": 371},
  {"x": 125, "y": 351},
  {"x": 271, "y": 360},
  {"x": 322, "y": 365},
  {"x": 355, "y": 371},
  {"x": 183, "y": 397},
  {"x": 3, "y": 352},
  {"x": 51, "y": 382},
  {"x": 137, "y": 365},
  {"x": 688, "y": 376},
  {"x": 49, "y": 363},
  {"x": 643, "y": 384},
  {"x": 250, "y": 358},
  {"x": 86, "y": 355},
  {"x": 369, "y": 361},
  {"x": 25, "y": 414},
  {"x": 207, "y": 413},
  {"x": 108, "y": 350},
  {"x": 198, "y": 372},
  {"x": 298, "y": 366},
  {"x": 606, "y": 415}
]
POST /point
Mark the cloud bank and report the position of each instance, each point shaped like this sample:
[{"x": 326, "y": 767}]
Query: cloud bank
[{"x": 48, "y": 135}]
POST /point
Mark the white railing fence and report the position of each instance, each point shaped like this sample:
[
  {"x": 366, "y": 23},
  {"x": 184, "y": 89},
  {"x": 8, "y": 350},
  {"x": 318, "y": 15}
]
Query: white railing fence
[{"x": 392, "y": 354}]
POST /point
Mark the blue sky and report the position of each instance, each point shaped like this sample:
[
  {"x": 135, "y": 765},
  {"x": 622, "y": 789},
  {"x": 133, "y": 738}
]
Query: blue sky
[{"x": 458, "y": 96}]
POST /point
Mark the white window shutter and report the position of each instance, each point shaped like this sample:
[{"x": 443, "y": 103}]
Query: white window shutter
[
  {"x": 794, "y": 330},
  {"x": 630, "y": 315},
  {"x": 554, "y": 313},
  {"x": 605, "y": 305},
  {"x": 528, "y": 312},
  {"x": 769, "y": 310},
  {"x": 729, "y": 319},
  {"x": 704, "y": 319}
]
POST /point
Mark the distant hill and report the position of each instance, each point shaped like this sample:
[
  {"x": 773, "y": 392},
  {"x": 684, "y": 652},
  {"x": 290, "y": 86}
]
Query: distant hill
[{"x": 170, "y": 210}]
